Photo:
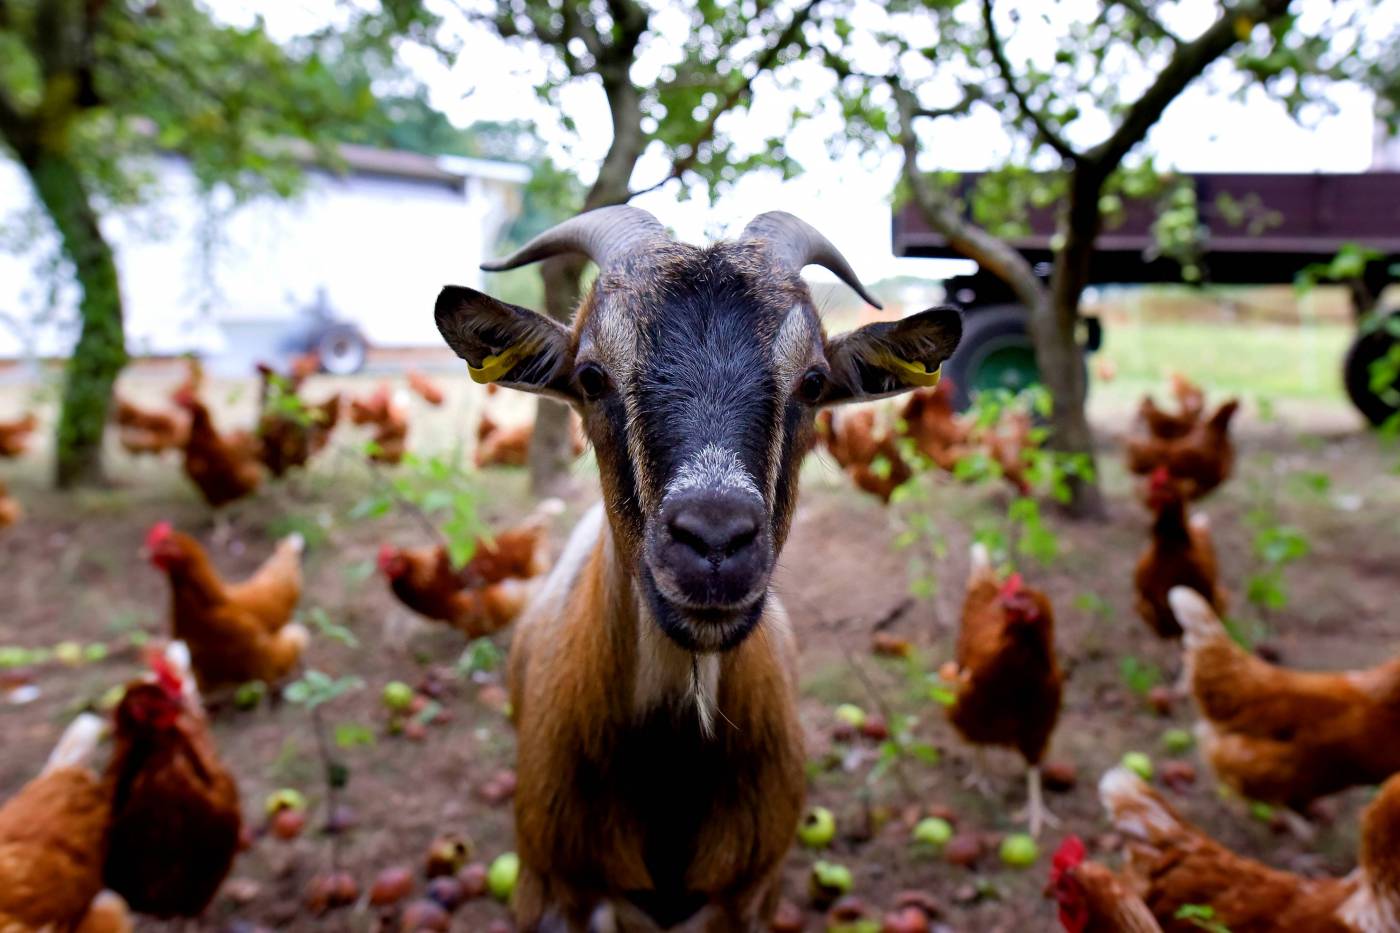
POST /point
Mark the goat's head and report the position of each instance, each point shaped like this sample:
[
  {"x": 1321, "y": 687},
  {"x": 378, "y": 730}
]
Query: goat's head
[{"x": 697, "y": 372}]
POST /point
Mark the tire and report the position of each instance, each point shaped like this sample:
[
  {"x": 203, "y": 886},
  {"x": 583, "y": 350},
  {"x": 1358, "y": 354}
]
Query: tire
[
  {"x": 1372, "y": 344},
  {"x": 342, "y": 349},
  {"x": 995, "y": 352}
]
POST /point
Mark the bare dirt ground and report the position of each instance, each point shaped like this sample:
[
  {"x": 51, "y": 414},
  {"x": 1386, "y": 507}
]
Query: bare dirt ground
[{"x": 73, "y": 571}]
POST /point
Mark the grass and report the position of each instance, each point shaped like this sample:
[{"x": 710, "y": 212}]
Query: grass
[{"x": 1254, "y": 359}]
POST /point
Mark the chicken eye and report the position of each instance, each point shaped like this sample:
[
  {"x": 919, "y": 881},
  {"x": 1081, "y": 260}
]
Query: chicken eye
[
  {"x": 592, "y": 381},
  {"x": 812, "y": 387}
]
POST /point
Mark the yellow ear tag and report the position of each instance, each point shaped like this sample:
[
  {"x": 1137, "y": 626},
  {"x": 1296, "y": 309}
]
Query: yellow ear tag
[
  {"x": 494, "y": 367},
  {"x": 914, "y": 374}
]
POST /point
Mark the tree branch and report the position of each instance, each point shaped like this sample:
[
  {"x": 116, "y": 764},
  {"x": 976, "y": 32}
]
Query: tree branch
[
  {"x": 941, "y": 212},
  {"x": 1047, "y": 132},
  {"x": 762, "y": 63},
  {"x": 1140, "y": 10},
  {"x": 1189, "y": 61}
]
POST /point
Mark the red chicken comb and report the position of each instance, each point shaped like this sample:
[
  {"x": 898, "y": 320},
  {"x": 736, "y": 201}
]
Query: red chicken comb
[
  {"x": 160, "y": 533},
  {"x": 387, "y": 553},
  {"x": 1069, "y": 855},
  {"x": 1012, "y": 587},
  {"x": 167, "y": 677},
  {"x": 1160, "y": 476}
]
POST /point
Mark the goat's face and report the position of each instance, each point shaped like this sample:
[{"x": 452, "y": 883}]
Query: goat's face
[{"x": 697, "y": 373}]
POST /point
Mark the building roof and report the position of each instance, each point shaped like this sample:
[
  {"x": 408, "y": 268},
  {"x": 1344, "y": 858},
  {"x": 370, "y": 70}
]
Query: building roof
[{"x": 403, "y": 164}]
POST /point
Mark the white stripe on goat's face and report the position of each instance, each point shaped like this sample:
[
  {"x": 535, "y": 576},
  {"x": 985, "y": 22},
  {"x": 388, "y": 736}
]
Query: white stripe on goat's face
[
  {"x": 714, "y": 467},
  {"x": 700, "y": 439}
]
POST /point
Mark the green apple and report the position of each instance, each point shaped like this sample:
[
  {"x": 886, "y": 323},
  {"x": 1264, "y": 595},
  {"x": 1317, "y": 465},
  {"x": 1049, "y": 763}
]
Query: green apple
[
  {"x": 1177, "y": 741},
  {"x": 933, "y": 831},
  {"x": 398, "y": 696},
  {"x": 285, "y": 798},
  {"x": 1019, "y": 850},
  {"x": 69, "y": 653},
  {"x": 817, "y": 828},
  {"x": 95, "y": 652},
  {"x": 249, "y": 695},
  {"x": 851, "y": 715},
  {"x": 1139, "y": 763},
  {"x": 502, "y": 875},
  {"x": 832, "y": 879}
]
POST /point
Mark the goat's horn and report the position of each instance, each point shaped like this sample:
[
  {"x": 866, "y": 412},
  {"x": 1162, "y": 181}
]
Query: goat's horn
[
  {"x": 604, "y": 235},
  {"x": 795, "y": 243}
]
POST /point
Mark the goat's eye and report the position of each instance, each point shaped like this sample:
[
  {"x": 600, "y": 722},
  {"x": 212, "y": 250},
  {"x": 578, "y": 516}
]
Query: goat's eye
[
  {"x": 813, "y": 386},
  {"x": 592, "y": 381}
]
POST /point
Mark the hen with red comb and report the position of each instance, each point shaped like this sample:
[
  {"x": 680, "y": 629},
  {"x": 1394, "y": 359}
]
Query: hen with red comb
[{"x": 1008, "y": 679}]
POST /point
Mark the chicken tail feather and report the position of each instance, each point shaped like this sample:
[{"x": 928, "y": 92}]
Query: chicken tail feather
[
  {"x": 1136, "y": 810},
  {"x": 1197, "y": 619},
  {"x": 78, "y": 743}
]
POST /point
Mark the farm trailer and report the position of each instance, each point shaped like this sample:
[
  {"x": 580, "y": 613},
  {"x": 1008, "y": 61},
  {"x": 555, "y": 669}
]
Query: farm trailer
[{"x": 1309, "y": 219}]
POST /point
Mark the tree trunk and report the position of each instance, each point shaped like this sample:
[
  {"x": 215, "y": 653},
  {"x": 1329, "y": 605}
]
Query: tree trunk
[
  {"x": 1054, "y": 332},
  {"x": 100, "y": 352},
  {"x": 551, "y": 444}
]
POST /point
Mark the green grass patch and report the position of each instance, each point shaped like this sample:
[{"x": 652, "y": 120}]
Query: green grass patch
[{"x": 1246, "y": 359}]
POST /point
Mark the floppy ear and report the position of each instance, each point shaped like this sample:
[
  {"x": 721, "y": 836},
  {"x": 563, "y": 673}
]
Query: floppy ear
[
  {"x": 503, "y": 343},
  {"x": 892, "y": 356}
]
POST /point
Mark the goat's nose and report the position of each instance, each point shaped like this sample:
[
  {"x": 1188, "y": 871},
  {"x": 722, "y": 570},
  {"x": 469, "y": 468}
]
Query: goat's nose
[{"x": 716, "y": 526}]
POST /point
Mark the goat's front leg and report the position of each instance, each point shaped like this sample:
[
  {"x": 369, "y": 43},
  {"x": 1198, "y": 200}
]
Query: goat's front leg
[
  {"x": 549, "y": 906},
  {"x": 748, "y": 910}
]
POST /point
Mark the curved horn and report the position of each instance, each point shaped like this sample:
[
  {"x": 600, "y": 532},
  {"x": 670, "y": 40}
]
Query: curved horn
[
  {"x": 604, "y": 235},
  {"x": 796, "y": 243}
]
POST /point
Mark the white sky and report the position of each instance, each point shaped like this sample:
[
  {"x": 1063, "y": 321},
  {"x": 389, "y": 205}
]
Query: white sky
[{"x": 848, "y": 197}]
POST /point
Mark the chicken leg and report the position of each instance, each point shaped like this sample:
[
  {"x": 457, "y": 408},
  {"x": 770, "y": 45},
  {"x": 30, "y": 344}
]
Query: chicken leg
[{"x": 1036, "y": 814}]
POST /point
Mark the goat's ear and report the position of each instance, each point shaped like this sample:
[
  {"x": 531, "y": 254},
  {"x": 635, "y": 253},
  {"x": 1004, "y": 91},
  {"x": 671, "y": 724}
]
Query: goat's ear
[
  {"x": 892, "y": 356},
  {"x": 504, "y": 343}
]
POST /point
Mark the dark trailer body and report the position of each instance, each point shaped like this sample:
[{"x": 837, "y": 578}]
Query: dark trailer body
[{"x": 1310, "y": 217}]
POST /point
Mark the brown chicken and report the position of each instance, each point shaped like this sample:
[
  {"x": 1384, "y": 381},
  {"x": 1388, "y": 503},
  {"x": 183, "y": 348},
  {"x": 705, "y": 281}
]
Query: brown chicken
[
  {"x": 424, "y": 580},
  {"x": 1091, "y": 898},
  {"x": 372, "y": 408},
  {"x": 390, "y": 422},
  {"x": 1200, "y": 460},
  {"x": 869, "y": 453},
  {"x": 479, "y": 598},
  {"x": 223, "y": 467},
  {"x": 236, "y": 632},
  {"x": 10, "y": 510},
  {"x": 501, "y": 445},
  {"x": 1007, "y": 442},
  {"x": 291, "y": 433},
  {"x": 175, "y": 813},
  {"x": 149, "y": 431},
  {"x": 937, "y": 431},
  {"x": 1006, "y": 675},
  {"x": 426, "y": 389},
  {"x": 1282, "y": 736},
  {"x": 53, "y": 838},
  {"x": 509, "y": 445},
  {"x": 1180, "y": 553},
  {"x": 1173, "y": 864},
  {"x": 14, "y": 435}
]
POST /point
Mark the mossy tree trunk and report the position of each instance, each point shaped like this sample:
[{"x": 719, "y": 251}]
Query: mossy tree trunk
[{"x": 100, "y": 352}]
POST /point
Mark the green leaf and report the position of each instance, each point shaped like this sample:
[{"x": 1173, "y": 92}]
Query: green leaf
[{"x": 353, "y": 734}]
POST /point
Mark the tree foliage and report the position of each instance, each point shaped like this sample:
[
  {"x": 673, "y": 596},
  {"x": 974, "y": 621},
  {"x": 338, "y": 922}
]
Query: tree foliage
[
  {"x": 1075, "y": 90},
  {"x": 89, "y": 88}
]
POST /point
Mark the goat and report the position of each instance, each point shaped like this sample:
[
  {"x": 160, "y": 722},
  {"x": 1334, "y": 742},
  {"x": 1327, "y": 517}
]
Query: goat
[{"x": 652, "y": 677}]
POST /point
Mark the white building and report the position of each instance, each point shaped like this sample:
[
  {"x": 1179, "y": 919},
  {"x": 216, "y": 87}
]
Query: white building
[{"x": 374, "y": 244}]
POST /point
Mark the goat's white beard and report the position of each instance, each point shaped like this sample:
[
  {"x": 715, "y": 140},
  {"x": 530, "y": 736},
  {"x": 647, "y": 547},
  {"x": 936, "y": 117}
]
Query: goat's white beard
[{"x": 668, "y": 673}]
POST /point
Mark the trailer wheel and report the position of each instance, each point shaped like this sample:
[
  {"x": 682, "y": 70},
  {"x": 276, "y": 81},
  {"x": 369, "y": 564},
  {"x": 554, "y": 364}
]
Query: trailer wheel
[
  {"x": 342, "y": 349},
  {"x": 995, "y": 353},
  {"x": 1376, "y": 403}
]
